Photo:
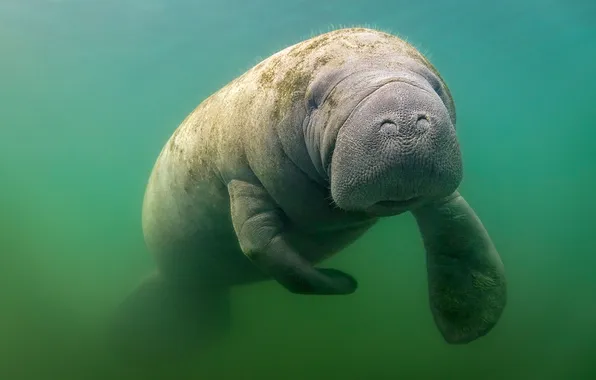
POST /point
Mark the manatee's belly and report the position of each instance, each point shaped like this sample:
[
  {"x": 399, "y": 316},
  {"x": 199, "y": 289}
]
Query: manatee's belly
[
  {"x": 316, "y": 246},
  {"x": 197, "y": 243},
  {"x": 213, "y": 255}
]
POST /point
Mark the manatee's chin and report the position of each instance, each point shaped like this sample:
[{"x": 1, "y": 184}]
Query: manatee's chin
[{"x": 391, "y": 208}]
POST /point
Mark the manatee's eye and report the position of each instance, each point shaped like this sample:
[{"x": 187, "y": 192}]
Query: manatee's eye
[{"x": 389, "y": 128}]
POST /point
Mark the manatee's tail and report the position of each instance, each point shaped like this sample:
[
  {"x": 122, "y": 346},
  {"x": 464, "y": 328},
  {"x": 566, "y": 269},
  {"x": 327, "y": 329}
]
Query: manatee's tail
[{"x": 160, "y": 322}]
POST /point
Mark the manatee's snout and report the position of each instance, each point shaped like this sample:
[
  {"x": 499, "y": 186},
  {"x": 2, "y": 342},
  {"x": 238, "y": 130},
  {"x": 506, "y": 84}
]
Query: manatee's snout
[{"x": 397, "y": 150}]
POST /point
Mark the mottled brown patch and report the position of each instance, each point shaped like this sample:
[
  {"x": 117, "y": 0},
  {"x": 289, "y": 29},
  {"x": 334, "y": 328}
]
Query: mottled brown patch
[
  {"x": 322, "y": 61},
  {"x": 289, "y": 75},
  {"x": 267, "y": 77},
  {"x": 302, "y": 51},
  {"x": 294, "y": 79}
]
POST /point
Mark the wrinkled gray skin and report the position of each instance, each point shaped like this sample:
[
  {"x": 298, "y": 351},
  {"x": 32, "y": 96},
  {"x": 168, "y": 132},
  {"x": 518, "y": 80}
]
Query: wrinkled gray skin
[{"x": 296, "y": 159}]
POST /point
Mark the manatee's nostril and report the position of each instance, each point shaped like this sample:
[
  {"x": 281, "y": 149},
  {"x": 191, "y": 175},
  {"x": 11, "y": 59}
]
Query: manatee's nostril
[
  {"x": 389, "y": 128},
  {"x": 422, "y": 124}
]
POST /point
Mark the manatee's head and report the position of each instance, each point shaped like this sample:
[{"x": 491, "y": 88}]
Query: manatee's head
[{"x": 396, "y": 150}]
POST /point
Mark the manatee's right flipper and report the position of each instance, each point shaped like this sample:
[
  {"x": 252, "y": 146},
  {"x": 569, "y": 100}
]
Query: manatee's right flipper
[
  {"x": 160, "y": 323},
  {"x": 466, "y": 278},
  {"x": 258, "y": 223}
]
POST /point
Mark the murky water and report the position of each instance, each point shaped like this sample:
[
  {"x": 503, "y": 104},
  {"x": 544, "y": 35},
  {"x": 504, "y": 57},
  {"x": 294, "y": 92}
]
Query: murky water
[{"x": 91, "y": 90}]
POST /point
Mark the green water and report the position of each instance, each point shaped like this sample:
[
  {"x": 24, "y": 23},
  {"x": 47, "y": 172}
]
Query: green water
[{"x": 91, "y": 90}]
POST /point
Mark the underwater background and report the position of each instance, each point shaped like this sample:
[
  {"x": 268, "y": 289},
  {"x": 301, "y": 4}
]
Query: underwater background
[{"x": 91, "y": 90}]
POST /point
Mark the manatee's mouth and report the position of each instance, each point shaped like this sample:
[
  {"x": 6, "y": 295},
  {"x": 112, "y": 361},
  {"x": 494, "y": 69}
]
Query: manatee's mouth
[
  {"x": 399, "y": 204},
  {"x": 388, "y": 208}
]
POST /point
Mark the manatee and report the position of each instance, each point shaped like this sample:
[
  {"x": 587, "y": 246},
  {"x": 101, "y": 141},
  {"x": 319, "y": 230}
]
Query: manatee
[{"x": 290, "y": 163}]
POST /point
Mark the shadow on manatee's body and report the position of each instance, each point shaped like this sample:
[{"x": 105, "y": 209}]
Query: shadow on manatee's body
[{"x": 289, "y": 164}]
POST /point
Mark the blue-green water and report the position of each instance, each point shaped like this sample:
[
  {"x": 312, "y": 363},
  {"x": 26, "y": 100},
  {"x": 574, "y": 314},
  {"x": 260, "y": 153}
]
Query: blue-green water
[{"x": 91, "y": 90}]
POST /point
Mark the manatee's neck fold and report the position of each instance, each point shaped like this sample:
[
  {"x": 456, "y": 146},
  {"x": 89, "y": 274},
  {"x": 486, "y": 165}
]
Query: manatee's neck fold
[{"x": 320, "y": 106}]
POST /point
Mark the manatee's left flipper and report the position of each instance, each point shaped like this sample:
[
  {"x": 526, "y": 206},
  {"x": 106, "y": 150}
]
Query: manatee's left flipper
[
  {"x": 466, "y": 277},
  {"x": 260, "y": 227}
]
